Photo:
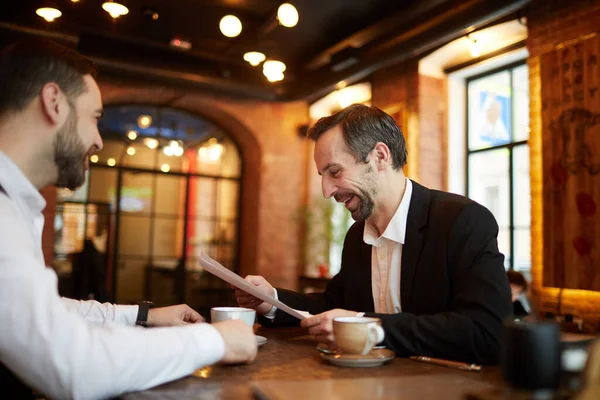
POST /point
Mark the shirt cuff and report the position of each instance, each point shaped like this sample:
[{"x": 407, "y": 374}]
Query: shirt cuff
[
  {"x": 360, "y": 314},
  {"x": 271, "y": 314},
  {"x": 210, "y": 342},
  {"x": 126, "y": 315}
]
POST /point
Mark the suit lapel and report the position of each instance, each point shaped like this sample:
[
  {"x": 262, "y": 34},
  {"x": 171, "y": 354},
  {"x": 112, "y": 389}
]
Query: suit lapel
[{"x": 417, "y": 218}]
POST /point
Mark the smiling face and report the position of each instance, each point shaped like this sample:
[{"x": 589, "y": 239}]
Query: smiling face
[
  {"x": 345, "y": 178},
  {"x": 78, "y": 138}
]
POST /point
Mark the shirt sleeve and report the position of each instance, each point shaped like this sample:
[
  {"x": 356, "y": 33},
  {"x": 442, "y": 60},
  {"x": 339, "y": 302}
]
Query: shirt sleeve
[
  {"x": 102, "y": 313},
  {"x": 273, "y": 310},
  {"x": 47, "y": 342}
]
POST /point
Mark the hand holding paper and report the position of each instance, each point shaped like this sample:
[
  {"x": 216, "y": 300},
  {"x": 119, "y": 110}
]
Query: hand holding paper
[{"x": 234, "y": 279}]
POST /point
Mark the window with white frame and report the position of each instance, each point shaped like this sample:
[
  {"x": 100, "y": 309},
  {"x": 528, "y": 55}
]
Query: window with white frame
[{"x": 497, "y": 156}]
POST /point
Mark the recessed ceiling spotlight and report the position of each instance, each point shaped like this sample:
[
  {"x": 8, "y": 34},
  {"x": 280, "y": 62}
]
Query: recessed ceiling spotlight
[{"x": 230, "y": 26}]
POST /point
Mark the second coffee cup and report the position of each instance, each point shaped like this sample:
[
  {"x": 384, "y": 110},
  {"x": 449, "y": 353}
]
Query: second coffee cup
[{"x": 357, "y": 335}]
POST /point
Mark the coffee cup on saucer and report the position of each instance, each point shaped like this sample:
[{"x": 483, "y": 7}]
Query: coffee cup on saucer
[
  {"x": 218, "y": 314},
  {"x": 357, "y": 335}
]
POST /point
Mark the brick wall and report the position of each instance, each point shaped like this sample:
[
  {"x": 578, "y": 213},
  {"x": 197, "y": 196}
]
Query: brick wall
[
  {"x": 551, "y": 23},
  {"x": 395, "y": 91},
  {"x": 433, "y": 135},
  {"x": 418, "y": 103}
]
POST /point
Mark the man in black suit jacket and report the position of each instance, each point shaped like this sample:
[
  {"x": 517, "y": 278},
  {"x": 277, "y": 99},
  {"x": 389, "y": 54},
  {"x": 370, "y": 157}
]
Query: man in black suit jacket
[{"x": 452, "y": 295}]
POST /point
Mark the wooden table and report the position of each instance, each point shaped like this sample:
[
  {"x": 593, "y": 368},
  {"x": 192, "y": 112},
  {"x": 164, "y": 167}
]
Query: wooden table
[{"x": 291, "y": 355}]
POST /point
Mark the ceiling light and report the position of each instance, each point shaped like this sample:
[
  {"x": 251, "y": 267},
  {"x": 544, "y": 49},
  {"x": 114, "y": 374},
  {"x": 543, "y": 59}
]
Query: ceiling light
[
  {"x": 75, "y": 1},
  {"x": 132, "y": 135},
  {"x": 169, "y": 151},
  {"x": 130, "y": 151},
  {"x": 230, "y": 26},
  {"x": 474, "y": 47},
  {"x": 94, "y": 158},
  {"x": 180, "y": 43},
  {"x": 274, "y": 76},
  {"x": 48, "y": 13},
  {"x": 115, "y": 9},
  {"x": 287, "y": 15},
  {"x": 273, "y": 70},
  {"x": 254, "y": 57},
  {"x": 144, "y": 121},
  {"x": 151, "y": 143},
  {"x": 274, "y": 65},
  {"x": 178, "y": 151},
  {"x": 165, "y": 168},
  {"x": 111, "y": 162}
]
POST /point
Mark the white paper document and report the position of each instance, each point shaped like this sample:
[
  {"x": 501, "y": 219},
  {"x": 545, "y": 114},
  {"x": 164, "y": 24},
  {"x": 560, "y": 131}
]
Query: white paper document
[{"x": 231, "y": 277}]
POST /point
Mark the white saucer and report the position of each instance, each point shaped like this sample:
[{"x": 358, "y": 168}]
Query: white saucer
[
  {"x": 260, "y": 340},
  {"x": 375, "y": 358},
  {"x": 328, "y": 349}
]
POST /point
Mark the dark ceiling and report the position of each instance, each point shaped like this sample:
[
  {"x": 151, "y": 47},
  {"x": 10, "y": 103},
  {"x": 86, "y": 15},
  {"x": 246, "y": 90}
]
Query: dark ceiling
[{"x": 334, "y": 40}]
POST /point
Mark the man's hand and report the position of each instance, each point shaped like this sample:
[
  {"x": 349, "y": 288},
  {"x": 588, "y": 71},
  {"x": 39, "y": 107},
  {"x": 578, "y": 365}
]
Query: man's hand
[
  {"x": 240, "y": 342},
  {"x": 321, "y": 325},
  {"x": 247, "y": 300},
  {"x": 174, "y": 315}
]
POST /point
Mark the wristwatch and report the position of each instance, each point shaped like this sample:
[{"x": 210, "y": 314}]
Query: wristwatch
[{"x": 142, "y": 315}]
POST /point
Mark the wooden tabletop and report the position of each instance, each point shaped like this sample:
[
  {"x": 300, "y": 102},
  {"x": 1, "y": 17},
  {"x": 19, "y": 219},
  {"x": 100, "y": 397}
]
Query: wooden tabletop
[{"x": 290, "y": 361}]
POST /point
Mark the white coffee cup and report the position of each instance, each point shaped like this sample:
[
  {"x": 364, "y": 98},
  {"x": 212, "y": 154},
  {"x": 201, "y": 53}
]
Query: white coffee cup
[
  {"x": 357, "y": 335},
  {"x": 247, "y": 315}
]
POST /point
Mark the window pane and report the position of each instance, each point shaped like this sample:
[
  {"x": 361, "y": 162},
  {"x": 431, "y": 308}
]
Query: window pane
[
  {"x": 144, "y": 157},
  {"x": 111, "y": 150},
  {"x": 489, "y": 185},
  {"x": 103, "y": 183},
  {"x": 170, "y": 195},
  {"x": 136, "y": 192},
  {"x": 521, "y": 103},
  {"x": 168, "y": 237},
  {"x": 522, "y": 208},
  {"x": 131, "y": 282},
  {"x": 228, "y": 199},
  {"x": 203, "y": 197},
  {"x": 489, "y": 111},
  {"x": 134, "y": 236}
]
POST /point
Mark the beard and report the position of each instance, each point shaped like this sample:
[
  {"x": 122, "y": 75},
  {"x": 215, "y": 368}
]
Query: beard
[
  {"x": 366, "y": 195},
  {"x": 69, "y": 153}
]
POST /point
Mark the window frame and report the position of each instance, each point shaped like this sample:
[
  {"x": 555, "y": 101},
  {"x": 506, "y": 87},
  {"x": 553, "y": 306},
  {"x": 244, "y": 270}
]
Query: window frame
[{"x": 510, "y": 146}]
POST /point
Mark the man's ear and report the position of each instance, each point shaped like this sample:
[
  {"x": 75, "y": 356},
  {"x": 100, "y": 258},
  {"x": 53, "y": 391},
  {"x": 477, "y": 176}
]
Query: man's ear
[
  {"x": 382, "y": 155},
  {"x": 54, "y": 104}
]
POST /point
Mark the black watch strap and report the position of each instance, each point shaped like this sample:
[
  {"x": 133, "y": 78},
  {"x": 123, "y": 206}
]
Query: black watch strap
[{"x": 142, "y": 316}]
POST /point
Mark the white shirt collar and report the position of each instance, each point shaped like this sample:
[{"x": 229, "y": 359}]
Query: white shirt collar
[
  {"x": 16, "y": 184},
  {"x": 396, "y": 229}
]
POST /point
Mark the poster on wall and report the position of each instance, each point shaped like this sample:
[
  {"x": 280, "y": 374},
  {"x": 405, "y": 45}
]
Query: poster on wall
[
  {"x": 494, "y": 118},
  {"x": 570, "y": 83}
]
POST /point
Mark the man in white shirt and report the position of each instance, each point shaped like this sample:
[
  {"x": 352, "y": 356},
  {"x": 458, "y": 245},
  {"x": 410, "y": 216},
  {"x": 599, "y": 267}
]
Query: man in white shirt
[
  {"x": 425, "y": 262},
  {"x": 50, "y": 105}
]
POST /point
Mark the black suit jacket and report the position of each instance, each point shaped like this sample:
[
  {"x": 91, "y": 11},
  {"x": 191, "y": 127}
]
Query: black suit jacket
[{"x": 453, "y": 286}]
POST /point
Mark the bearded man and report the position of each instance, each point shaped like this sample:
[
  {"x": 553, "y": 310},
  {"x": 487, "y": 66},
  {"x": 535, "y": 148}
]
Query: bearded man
[
  {"x": 50, "y": 105},
  {"x": 423, "y": 261}
]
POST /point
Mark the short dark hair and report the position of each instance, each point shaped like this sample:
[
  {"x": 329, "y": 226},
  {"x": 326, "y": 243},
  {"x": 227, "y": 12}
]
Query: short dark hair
[
  {"x": 26, "y": 66},
  {"x": 517, "y": 278},
  {"x": 363, "y": 127}
]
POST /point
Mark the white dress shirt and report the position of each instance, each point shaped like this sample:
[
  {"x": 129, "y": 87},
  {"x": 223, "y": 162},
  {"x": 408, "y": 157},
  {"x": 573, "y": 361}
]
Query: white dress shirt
[
  {"x": 386, "y": 257},
  {"x": 77, "y": 349}
]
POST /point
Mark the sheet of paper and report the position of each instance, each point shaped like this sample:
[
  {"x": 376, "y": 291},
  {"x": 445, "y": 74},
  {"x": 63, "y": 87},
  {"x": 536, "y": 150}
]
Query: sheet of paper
[{"x": 231, "y": 277}]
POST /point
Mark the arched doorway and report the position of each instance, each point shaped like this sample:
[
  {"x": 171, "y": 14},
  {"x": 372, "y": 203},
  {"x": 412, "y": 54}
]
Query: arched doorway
[{"x": 165, "y": 187}]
